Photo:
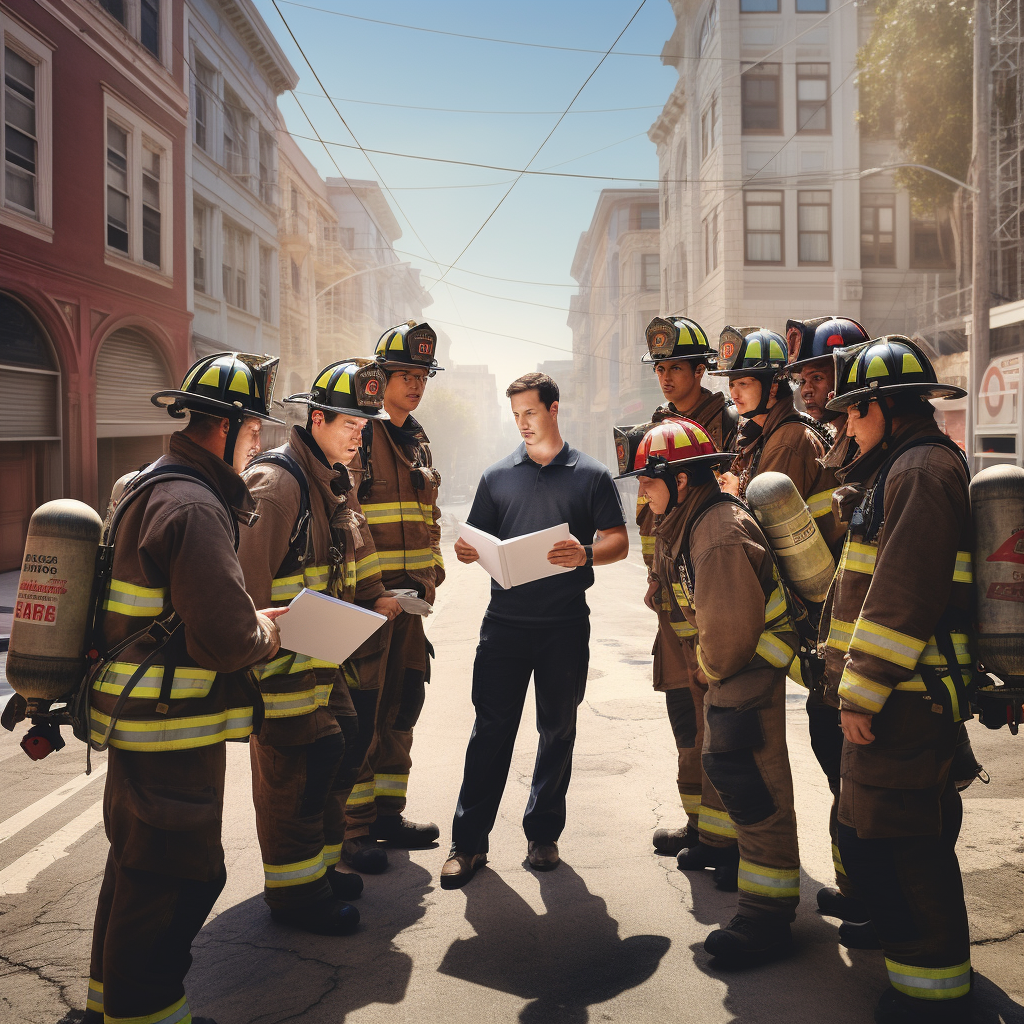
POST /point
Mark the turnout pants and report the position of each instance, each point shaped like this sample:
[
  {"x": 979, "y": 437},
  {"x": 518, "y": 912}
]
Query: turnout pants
[
  {"x": 827, "y": 745},
  {"x": 898, "y": 846},
  {"x": 557, "y": 657},
  {"x": 165, "y": 869},
  {"x": 746, "y": 759},
  {"x": 383, "y": 779}
]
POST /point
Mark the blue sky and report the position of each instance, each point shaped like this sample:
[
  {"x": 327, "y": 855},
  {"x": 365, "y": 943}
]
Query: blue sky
[{"x": 534, "y": 234}]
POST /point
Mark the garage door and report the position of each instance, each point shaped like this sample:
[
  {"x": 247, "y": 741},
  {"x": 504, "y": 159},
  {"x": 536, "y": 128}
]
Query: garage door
[{"x": 128, "y": 371}]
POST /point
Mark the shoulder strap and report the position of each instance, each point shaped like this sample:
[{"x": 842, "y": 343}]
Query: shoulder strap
[
  {"x": 684, "y": 544},
  {"x": 279, "y": 457},
  {"x": 367, "y": 482}
]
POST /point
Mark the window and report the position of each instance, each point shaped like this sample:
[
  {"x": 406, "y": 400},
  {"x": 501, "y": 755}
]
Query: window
[
  {"x": 141, "y": 19},
  {"x": 647, "y": 218},
  {"x": 199, "y": 247},
  {"x": 236, "y": 137},
  {"x": 267, "y": 263},
  {"x": 762, "y": 215},
  {"x": 650, "y": 271},
  {"x": 613, "y": 279},
  {"x": 151, "y": 206},
  {"x": 811, "y": 6},
  {"x": 877, "y": 231},
  {"x": 814, "y": 227},
  {"x": 118, "y": 199},
  {"x": 268, "y": 174},
  {"x": 709, "y": 129},
  {"x": 664, "y": 197},
  {"x": 116, "y": 9},
  {"x": 812, "y": 99},
  {"x": 759, "y": 6},
  {"x": 234, "y": 266},
  {"x": 761, "y": 91},
  {"x": 149, "y": 28},
  {"x": 708, "y": 26},
  {"x": 296, "y": 278},
  {"x": 21, "y": 148},
  {"x": 711, "y": 241},
  {"x": 206, "y": 92},
  {"x": 348, "y": 237},
  {"x": 931, "y": 240}
]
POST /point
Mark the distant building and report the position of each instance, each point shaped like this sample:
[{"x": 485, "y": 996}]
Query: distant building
[
  {"x": 94, "y": 311},
  {"x": 618, "y": 267}
]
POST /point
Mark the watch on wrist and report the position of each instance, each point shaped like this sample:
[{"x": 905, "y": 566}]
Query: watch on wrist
[{"x": 588, "y": 550}]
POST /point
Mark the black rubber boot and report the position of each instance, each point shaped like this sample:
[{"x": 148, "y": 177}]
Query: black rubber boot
[
  {"x": 345, "y": 885},
  {"x": 363, "y": 854},
  {"x": 331, "y": 917},
  {"x": 858, "y": 935},
  {"x": 749, "y": 939},
  {"x": 832, "y": 903},
  {"x": 725, "y": 860},
  {"x": 896, "y": 1008},
  {"x": 726, "y": 876},
  {"x": 670, "y": 842},
  {"x": 403, "y": 833}
]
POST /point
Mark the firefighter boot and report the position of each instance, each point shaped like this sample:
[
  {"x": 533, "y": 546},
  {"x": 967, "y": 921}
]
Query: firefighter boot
[
  {"x": 725, "y": 860},
  {"x": 749, "y": 939},
  {"x": 832, "y": 903},
  {"x": 363, "y": 854},
  {"x": 395, "y": 830},
  {"x": 895, "y": 1008},
  {"x": 346, "y": 885},
  {"x": 327, "y": 917},
  {"x": 669, "y": 842}
]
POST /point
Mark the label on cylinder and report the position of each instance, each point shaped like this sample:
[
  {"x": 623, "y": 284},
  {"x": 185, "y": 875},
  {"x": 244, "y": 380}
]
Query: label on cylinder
[{"x": 40, "y": 588}]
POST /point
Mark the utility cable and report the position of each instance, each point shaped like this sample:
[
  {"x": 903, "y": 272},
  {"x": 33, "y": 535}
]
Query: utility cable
[{"x": 463, "y": 110}]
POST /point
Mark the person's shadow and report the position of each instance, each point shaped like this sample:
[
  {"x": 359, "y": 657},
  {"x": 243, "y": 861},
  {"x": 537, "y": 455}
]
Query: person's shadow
[{"x": 564, "y": 960}]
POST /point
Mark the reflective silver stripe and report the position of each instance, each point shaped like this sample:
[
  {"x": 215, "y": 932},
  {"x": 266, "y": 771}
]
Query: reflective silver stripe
[
  {"x": 175, "y": 1014},
  {"x": 129, "y": 599},
  {"x": 188, "y": 681},
  {"x": 277, "y": 876},
  {"x": 779, "y": 883},
  {"x": 930, "y": 982},
  {"x": 820, "y": 504},
  {"x": 174, "y": 733},
  {"x": 390, "y": 785}
]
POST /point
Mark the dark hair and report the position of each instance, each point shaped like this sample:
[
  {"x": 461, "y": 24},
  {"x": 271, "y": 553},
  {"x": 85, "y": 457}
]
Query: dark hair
[
  {"x": 699, "y": 475},
  {"x": 904, "y": 405},
  {"x": 330, "y": 415},
  {"x": 545, "y": 387}
]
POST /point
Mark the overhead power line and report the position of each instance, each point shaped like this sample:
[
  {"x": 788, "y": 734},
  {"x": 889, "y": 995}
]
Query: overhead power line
[{"x": 465, "y": 110}]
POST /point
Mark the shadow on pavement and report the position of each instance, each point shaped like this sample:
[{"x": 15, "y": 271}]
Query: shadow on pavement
[
  {"x": 248, "y": 970},
  {"x": 565, "y": 960},
  {"x": 992, "y": 1005}
]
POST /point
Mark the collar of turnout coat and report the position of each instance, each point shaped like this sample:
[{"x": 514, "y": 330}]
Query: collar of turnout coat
[
  {"x": 334, "y": 481},
  {"x": 865, "y": 467},
  {"x": 711, "y": 403},
  {"x": 223, "y": 477},
  {"x": 751, "y": 433}
]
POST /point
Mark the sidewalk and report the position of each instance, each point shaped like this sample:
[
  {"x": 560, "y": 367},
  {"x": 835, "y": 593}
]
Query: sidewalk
[{"x": 8, "y": 588}]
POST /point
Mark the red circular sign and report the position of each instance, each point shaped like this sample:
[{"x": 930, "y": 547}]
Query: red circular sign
[{"x": 993, "y": 382}]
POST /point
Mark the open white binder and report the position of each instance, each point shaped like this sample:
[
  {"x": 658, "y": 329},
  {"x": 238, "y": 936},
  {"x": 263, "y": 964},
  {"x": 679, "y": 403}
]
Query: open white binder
[
  {"x": 325, "y": 628},
  {"x": 517, "y": 560}
]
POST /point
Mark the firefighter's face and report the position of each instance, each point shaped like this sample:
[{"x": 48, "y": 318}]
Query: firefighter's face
[
  {"x": 656, "y": 491},
  {"x": 746, "y": 394},
  {"x": 680, "y": 381},
  {"x": 815, "y": 384},
  {"x": 404, "y": 390},
  {"x": 537, "y": 424},
  {"x": 340, "y": 439},
  {"x": 247, "y": 444},
  {"x": 869, "y": 429}
]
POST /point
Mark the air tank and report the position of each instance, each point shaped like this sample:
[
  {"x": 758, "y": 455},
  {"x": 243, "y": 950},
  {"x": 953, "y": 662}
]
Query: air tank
[
  {"x": 997, "y": 508},
  {"x": 804, "y": 557},
  {"x": 51, "y": 610}
]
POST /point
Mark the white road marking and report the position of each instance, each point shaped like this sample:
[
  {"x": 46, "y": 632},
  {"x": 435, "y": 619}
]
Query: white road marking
[
  {"x": 22, "y": 819},
  {"x": 16, "y": 877}
]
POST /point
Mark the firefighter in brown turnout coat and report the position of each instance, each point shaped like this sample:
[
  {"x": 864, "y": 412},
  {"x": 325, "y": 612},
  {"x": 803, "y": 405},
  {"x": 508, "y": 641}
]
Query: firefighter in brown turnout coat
[
  {"x": 899, "y": 662},
  {"x": 399, "y": 499},
  {"x": 309, "y": 535},
  {"x": 166, "y": 705},
  {"x": 733, "y": 598}
]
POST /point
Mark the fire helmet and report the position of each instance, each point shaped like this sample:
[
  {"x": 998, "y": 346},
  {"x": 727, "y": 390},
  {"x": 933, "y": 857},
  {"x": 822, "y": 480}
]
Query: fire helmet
[
  {"x": 752, "y": 352},
  {"x": 664, "y": 449},
  {"x": 352, "y": 386},
  {"x": 820, "y": 337},
  {"x": 408, "y": 345},
  {"x": 677, "y": 337}
]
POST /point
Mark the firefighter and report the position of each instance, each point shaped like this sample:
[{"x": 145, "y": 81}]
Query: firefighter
[
  {"x": 681, "y": 354},
  {"x": 399, "y": 499},
  {"x": 310, "y": 533},
  {"x": 731, "y": 595},
  {"x": 898, "y": 657},
  {"x": 167, "y": 702}
]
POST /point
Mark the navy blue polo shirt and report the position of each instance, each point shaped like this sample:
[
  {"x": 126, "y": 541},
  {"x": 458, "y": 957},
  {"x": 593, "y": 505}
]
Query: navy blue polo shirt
[{"x": 518, "y": 496}]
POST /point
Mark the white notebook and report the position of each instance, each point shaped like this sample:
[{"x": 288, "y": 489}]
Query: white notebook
[
  {"x": 519, "y": 559},
  {"x": 325, "y": 628}
]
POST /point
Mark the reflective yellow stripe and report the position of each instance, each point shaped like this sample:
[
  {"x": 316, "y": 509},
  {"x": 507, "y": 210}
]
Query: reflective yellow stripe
[
  {"x": 647, "y": 544},
  {"x": 314, "y": 577},
  {"x": 963, "y": 571},
  {"x": 279, "y": 876},
  {"x": 173, "y": 733},
  {"x": 858, "y": 557},
  {"x": 128, "y": 599},
  {"x": 680, "y": 595},
  {"x": 417, "y": 558},
  {"x": 915, "y": 684},
  {"x": 931, "y": 655},
  {"x": 774, "y": 651},
  {"x": 778, "y": 883},
  {"x": 94, "y": 1000},
  {"x": 362, "y": 793},
  {"x": 332, "y": 854},
  {"x": 888, "y": 644},
  {"x": 930, "y": 982},
  {"x": 691, "y": 803},
  {"x": 438, "y": 560},
  {"x": 290, "y": 705},
  {"x": 839, "y": 635},
  {"x": 837, "y": 861},
  {"x": 683, "y": 630},
  {"x": 795, "y": 672},
  {"x": 290, "y": 664},
  {"x": 399, "y": 512},
  {"x": 178, "y": 1013},
  {"x": 863, "y": 692},
  {"x": 188, "y": 681},
  {"x": 820, "y": 504},
  {"x": 716, "y": 822},
  {"x": 367, "y": 566},
  {"x": 390, "y": 785},
  {"x": 775, "y": 606},
  {"x": 703, "y": 667}
]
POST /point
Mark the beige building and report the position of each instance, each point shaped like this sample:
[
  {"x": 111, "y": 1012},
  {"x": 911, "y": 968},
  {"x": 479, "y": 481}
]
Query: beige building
[{"x": 618, "y": 268}]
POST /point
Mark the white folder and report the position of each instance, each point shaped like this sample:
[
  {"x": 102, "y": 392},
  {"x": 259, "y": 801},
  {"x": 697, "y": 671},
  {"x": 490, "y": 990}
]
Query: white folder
[
  {"x": 325, "y": 628},
  {"x": 517, "y": 560}
]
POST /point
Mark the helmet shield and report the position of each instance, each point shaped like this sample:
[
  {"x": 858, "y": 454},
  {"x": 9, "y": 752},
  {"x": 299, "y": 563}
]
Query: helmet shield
[
  {"x": 627, "y": 441},
  {"x": 233, "y": 384},
  {"x": 351, "y": 386},
  {"x": 676, "y": 337},
  {"x": 408, "y": 344},
  {"x": 744, "y": 350}
]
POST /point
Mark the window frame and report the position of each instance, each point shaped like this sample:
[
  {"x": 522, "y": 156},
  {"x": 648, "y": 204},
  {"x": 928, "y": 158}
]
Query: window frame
[
  {"x": 800, "y": 232},
  {"x": 38, "y": 53},
  {"x": 878, "y": 201},
  {"x": 245, "y": 248},
  {"x": 781, "y": 232},
  {"x": 267, "y": 271},
  {"x": 808, "y": 10},
  {"x": 208, "y": 91},
  {"x": 764, "y": 10},
  {"x": 709, "y": 132},
  {"x": 141, "y": 135},
  {"x": 240, "y": 133},
  {"x": 712, "y": 246},
  {"x": 648, "y": 259},
  {"x": 132, "y": 27},
  {"x": 826, "y": 104},
  {"x": 201, "y": 216},
  {"x": 756, "y": 71},
  {"x": 915, "y": 262}
]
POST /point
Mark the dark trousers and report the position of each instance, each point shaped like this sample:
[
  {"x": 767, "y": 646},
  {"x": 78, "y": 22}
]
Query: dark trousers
[
  {"x": 827, "y": 745},
  {"x": 506, "y": 657}
]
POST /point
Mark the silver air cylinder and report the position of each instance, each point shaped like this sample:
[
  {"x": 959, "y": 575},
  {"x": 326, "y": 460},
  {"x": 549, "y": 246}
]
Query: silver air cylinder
[
  {"x": 51, "y": 610},
  {"x": 804, "y": 557},
  {"x": 997, "y": 507}
]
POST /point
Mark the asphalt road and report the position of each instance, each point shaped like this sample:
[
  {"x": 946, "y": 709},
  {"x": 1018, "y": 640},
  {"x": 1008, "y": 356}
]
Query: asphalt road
[{"x": 614, "y": 934}]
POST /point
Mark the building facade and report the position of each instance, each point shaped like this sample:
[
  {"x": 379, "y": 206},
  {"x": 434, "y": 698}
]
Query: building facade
[{"x": 94, "y": 311}]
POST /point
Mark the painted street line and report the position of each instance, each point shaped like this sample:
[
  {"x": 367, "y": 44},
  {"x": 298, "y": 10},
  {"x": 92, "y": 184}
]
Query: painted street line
[{"x": 18, "y": 821}]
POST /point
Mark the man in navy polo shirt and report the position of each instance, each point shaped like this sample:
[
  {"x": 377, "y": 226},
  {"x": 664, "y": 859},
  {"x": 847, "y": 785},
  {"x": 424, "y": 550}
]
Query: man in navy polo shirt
[{"x": 540, "y": 628}]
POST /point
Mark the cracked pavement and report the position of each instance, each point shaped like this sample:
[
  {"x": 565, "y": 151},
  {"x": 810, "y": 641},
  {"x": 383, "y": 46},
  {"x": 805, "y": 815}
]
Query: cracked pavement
[{"x": 614, "y": 934}]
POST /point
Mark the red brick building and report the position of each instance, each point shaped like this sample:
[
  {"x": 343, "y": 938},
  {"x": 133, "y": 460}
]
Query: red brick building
[{"x": 93, "y": 264}]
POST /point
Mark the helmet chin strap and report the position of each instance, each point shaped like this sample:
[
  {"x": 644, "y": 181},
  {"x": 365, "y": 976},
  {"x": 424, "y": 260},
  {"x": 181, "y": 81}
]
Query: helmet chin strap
[
  {"x": 766, "y": 383},
  {"x": 887, "y": 416},
  {"x": 673, "y": 490},
  {"x": 234, "y": 426}
]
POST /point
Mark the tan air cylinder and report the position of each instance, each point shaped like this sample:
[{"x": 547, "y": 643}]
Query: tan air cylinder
[
  {"x": 997, "y": 507},
  {"x": 804, "y": 557},
  {"x": 51, "y": 609}
]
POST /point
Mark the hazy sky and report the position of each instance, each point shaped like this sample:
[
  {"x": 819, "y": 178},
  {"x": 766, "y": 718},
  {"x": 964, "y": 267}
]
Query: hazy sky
[{"x": 533, "y": 236}]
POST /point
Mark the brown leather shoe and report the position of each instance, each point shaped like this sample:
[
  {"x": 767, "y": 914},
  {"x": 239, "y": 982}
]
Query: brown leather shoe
[
  {"x": 459, "y": 868},
  {"x": 542, "y": 856}
]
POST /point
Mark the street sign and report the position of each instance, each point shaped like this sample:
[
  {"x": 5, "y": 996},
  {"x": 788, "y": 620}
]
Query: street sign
[{"x": 999, "y": 393}]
